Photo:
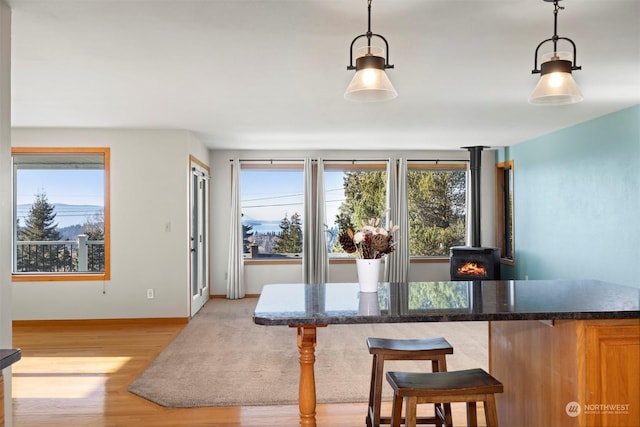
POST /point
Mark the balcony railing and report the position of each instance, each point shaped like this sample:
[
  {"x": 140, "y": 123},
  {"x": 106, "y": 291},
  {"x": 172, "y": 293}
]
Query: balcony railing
[{"x": 61, "y": 256}]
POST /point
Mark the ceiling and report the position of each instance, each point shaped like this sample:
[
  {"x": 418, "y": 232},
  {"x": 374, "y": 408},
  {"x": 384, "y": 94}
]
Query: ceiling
[{"x": 270, "y": 74}]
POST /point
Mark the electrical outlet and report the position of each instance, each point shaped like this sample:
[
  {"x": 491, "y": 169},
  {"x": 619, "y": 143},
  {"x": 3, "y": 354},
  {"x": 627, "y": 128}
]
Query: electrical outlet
[{"x": 150, "y": 293}]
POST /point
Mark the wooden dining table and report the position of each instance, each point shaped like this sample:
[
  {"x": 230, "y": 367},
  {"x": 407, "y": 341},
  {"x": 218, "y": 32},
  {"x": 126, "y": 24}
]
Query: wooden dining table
[{"x": 536, "y": 328}]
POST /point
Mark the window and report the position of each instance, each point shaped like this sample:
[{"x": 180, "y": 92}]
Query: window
[
  {"x": 61, "y": 214},
  {"x": 437, "y": 208},
  {"x": 353, "y": 193},
  {"x": 272, "y": 200},
  {"x": 504, "y": 211}
]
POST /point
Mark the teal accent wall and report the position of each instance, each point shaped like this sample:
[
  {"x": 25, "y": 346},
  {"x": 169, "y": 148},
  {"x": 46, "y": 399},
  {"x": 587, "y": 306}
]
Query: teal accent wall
[{"x": 577, "y": 202}]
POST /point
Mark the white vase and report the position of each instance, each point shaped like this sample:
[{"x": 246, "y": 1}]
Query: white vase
[{"x": 368, "y": 274}]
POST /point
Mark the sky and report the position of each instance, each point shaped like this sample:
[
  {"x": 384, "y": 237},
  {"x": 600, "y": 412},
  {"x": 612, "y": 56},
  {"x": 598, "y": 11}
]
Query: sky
[
  {"x": 62, "y": 187},
  {"x": 268, "y": 196}
]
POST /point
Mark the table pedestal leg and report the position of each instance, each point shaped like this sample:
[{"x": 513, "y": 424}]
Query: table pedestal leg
[{"x": 307, "y": 389}]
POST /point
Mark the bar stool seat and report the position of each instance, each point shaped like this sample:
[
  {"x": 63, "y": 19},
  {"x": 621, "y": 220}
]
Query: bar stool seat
[
  {"x": 434, "y": 349},
  {"x": 470, "y": 386}
]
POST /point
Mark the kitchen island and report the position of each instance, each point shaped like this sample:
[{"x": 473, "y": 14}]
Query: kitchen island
[
  {"x": 7, "y": 358},
  {"x": 549, "y": 377}
]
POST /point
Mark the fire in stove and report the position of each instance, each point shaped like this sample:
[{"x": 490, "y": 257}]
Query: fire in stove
[
  {"x": 471, "y": 263},
  {"x": 472, "y": 269}
]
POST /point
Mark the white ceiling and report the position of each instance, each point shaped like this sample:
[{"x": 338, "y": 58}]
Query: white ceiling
[{"x": 270, "y": 74}]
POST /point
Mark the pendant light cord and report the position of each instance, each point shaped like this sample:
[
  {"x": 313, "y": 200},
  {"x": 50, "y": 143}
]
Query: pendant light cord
[
  {"x": 369, "y": 33},
  {"x": 555, "y": 37}
]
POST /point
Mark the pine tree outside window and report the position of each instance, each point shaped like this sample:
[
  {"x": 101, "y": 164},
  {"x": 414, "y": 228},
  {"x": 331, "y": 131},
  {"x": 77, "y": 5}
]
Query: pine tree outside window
[
  {"x": 354, "y": 192},
  {"x": 61, "y": 214},
  {"x": 437, "y": 208}
]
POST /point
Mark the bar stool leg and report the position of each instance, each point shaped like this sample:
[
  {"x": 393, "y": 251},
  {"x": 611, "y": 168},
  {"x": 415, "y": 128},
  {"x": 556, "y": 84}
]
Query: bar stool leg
[
  {"x": 448, "y": 420},
  {"x": 491, "y": 414},
  {"x": 444, "y": 418},
  {"x": 411, "y": 411},
  {"x": 472, "y": 414},
  {"x": 371, "y": 422},
  {"x": 377, "y": 373},
  {"x": 396, "y": 411},
  {"x": 444, "y": 413}
]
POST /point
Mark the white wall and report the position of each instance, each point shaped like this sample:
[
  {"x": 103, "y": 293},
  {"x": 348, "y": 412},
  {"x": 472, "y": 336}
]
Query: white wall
[
  {"x": 197, "y": 149},
  {"x": 5, "y": 202},
  {"x": 256, "y": 276},
  {"x": 149, "y": 188}
]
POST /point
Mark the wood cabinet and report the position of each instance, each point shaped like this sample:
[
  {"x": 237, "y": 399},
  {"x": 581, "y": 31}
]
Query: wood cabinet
[{"x": 567, "y": 373}]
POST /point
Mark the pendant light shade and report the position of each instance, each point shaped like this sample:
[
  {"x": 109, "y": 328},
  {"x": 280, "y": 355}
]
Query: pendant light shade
[
  {"x": 556, "y": 85},
  {"x": 370, "y": 83}
]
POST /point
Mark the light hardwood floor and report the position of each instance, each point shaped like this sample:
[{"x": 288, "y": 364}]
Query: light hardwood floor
[{"x": 77, "y": 375}]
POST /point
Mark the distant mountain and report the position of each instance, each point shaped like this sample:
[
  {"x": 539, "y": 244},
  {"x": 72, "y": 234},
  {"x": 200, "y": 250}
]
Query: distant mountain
[
  {"x": 71, "y": 232},
  {"x": 262, "y": 226},
  {"x": 66, "y": 215}
]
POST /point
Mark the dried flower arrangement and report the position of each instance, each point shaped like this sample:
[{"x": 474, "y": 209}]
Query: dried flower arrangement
[{"x": 371, "y": 242}]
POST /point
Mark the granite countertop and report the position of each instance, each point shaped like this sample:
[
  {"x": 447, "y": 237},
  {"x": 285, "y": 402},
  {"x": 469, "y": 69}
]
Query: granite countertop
[
  {"x": 9, "y": 357},
  {"x": 342, "y": 303}
]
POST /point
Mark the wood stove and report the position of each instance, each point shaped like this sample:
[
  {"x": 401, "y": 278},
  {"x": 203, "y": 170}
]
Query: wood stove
[{"x": 475, "y": 262}]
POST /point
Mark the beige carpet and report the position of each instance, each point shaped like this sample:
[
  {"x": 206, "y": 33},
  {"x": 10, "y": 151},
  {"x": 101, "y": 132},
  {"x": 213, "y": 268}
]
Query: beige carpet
[{"x": 222, "y": 358}]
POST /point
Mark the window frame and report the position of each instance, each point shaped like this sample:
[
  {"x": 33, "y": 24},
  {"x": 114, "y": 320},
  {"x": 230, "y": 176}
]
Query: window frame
[
  {"x": 274, "y": 164},
  {"x": 68, "y": 276},
  {"x": 502, "y": 211}
]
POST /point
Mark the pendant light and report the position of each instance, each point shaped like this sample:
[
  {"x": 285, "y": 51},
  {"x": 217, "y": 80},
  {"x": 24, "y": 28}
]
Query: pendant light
[
  {"x": 370, "y": 83},
  {"x": 556, "y": 85}
]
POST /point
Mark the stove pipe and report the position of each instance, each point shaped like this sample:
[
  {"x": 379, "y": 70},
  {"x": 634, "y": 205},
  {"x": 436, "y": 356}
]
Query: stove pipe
[{"x": 475, "y": 160}]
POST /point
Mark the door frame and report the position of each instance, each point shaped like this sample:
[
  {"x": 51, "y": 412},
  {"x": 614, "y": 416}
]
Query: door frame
[{"x": 199, "y": 246}]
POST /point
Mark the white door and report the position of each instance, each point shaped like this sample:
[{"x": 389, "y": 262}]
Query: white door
[{"x": 199, "y": 244}]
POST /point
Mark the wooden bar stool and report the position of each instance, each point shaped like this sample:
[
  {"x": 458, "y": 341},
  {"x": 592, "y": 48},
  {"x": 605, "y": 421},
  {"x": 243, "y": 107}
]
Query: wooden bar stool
[
  {"x": 434, "y": 349},
  {"x": 470, "y": 386}
]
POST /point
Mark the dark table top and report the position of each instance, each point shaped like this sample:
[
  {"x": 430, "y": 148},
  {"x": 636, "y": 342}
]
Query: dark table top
[
  {"x": 9, "y": 357},
  {"x": 342, "y": 303}
]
